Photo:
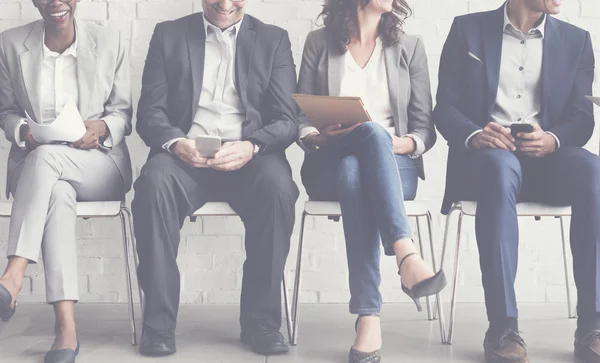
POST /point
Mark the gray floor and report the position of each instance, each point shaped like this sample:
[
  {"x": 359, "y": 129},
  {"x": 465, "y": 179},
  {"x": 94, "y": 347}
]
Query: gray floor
[{"x": 210, "y": 334}]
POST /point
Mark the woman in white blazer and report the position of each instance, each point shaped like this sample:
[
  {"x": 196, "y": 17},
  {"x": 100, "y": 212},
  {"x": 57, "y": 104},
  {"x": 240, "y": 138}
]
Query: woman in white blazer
[
  {"x": 46, "y": 66},
  {"x": 373, "y": 167}
]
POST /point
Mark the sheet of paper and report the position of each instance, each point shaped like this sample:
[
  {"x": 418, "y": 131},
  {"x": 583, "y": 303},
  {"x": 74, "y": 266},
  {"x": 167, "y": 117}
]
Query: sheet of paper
[
  {"x": 68, "y": 126},
  {"x": 596, "y": 100}
]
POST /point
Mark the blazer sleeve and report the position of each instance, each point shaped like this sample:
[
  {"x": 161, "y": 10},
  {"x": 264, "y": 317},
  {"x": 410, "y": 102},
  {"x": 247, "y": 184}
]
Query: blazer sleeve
[
  {"x": 452, "y": 123},
  {"x": 153, "y": 124},
  {"x": 577, "y": 123},
  {"x": 10, "y": 111},
  {"x": 420, "y": 122},
  {"x": 280, "y": 131},
  {"x": 118, "y": 108}
]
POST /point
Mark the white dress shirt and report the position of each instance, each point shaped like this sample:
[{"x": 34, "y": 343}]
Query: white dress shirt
[
  {"x": 220, "y": 111},
  {"x": 59, "y": 84},
  {"x": 519, "y": 98},
  {"x": 371, "y": 85}
]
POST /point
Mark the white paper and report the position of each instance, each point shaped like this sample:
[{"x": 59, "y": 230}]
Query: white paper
[
  {"x": 67, "y": 127},
  {"x": 596, "y": 100}
]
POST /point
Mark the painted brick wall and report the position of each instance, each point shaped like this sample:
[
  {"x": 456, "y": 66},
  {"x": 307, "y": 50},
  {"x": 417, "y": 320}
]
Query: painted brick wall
[{"x": 211, "y": 252}]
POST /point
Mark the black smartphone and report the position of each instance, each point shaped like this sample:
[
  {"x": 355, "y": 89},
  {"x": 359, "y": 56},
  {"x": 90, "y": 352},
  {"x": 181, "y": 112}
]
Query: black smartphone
[{"x": 518, "y": 128}]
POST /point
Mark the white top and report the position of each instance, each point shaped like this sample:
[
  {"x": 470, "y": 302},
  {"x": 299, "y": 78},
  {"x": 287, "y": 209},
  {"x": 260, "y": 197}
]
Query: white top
[
  {"x": 371, "y": 85},
  {"x": 220, "y": 111},
  {"x": 59, "y": 84},
  {"x": 519, "y": 98}
]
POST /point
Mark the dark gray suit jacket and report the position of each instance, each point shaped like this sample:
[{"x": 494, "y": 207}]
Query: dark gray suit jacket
[
  {"x": 172, "y": 81},
  {"x": 408, "y": 79}
]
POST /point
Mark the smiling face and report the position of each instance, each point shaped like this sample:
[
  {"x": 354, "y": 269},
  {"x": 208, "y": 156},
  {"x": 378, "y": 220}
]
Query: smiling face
[
  {"x": 380, "y": 6},
  {"x": 223, "y": 13},
  {"x": 551, "y": 7},
  {"x": 58, "y": 14}
]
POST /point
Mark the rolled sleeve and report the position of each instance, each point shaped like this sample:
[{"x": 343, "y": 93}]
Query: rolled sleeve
[{"x": 419, "y": 148}]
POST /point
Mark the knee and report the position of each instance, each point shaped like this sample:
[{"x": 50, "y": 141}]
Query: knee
[
  {"x": 279, "y": 186},
  {"x": 43, "y": 153},
  {"x": 63, "y": 193},
  {"x": 589, "y": 179},
  {"x": 374, "y": 131},
  {"x": 500, "y": 170},
  {"x": 349, "y": 175},
  {"x": 154, "y": 176}
]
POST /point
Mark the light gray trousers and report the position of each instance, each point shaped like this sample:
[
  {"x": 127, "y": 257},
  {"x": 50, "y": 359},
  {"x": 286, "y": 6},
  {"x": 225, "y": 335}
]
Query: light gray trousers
[{"x": 46, "y": 187}]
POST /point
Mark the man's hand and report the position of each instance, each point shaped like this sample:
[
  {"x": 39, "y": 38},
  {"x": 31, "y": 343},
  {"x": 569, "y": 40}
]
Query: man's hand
[
  {"x": 94, "y": 130},
  {"x": 494, "y": 136},
  {"x": 186, "y": 150},
  {"x": 320, "y": 139},
  {"x": 26, "y": 136},
  {"x": 403, "y": 145},
  {"x": 232, "y": 156},
  {"x": 537, "y": 143}
]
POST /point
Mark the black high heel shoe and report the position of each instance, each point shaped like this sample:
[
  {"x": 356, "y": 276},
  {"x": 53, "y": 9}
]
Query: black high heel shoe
[
  {"x": 427, "y": 287},
  {"x": 6, "y": 312},
  {"x": 356, "y": 356}
]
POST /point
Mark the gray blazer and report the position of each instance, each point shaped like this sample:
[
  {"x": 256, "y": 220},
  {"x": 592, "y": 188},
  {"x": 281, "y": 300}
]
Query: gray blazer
[
  {"x": 408, "y": 79},
  {"x": 104, "y": 85}
]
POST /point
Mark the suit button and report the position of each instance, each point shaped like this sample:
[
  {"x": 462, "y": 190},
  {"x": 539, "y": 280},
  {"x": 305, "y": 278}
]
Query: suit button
[{"x": 246, "y": 123}]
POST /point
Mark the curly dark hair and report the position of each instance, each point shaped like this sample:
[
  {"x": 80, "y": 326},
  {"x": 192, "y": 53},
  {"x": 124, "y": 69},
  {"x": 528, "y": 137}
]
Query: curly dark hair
[{"x": 340, "y": 17}]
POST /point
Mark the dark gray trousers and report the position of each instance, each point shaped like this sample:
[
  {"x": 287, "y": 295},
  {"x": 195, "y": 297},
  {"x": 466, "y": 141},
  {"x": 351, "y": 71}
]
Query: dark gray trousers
[{"x": 168, "y": 190}]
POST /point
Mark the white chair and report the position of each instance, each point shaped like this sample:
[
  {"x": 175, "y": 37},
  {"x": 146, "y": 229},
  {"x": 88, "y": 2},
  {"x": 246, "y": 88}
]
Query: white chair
[
  {"x": 87, "y": 210},
  {"x": 523, "y": 210},
  {"x": 222, "y": 209},
  {"x": 333, "y": 211}
]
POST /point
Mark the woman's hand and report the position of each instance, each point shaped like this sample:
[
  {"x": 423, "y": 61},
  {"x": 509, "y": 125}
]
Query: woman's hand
[
  {"x": 321, "y": 139},
  {"x": 403, "y": 145}
]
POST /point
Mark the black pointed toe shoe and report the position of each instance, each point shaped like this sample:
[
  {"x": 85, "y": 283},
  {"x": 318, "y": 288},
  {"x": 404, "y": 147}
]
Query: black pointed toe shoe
[{"x": 6, "y": 311}]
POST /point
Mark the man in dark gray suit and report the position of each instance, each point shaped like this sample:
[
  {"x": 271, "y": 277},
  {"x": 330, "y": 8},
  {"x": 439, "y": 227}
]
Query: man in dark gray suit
[{"x": 227, "y": 74}]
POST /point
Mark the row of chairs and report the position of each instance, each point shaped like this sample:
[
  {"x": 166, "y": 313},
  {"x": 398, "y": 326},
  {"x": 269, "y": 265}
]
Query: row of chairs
[{"x": 415, "y": 209}]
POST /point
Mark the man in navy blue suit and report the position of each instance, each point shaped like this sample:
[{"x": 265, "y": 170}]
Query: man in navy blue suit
[{"x": 519, "y": 65}]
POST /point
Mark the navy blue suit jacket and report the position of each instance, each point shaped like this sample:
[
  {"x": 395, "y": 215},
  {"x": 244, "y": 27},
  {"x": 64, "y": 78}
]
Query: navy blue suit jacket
[{"x": 468, "y": 88}]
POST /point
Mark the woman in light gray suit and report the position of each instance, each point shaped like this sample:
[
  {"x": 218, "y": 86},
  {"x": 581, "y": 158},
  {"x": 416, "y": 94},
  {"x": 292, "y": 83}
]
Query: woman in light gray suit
[
  {"x": 45, "y": 67},
  {"x": 373, "y": 167}
]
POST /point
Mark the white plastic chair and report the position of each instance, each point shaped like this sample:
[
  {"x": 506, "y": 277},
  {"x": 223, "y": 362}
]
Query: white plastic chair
[
  {"x": 89, "y": 210},
  {"x": 523, "y": 210},
  {"x": 332, "y": 210},
  {"x": 222, "y": 209}
]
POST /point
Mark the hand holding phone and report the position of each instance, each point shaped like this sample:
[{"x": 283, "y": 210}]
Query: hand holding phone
[
  {"x": 520, "y": 128},
  {"x": 208, "y": 145}
]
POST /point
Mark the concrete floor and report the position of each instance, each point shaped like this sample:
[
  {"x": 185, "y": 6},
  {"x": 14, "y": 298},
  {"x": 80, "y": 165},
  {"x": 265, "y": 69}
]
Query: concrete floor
[{"x": 211, "y": 334}]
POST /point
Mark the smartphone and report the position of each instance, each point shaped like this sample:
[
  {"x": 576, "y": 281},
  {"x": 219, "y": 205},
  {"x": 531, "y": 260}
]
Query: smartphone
[
  {"x": 208, "y": 145},
  {"x": 518, "y": 128}
]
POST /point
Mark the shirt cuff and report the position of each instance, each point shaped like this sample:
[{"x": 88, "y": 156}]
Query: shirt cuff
[
  {"x": 555, "y": 138},
  {"x": 20, "y": 143},
  {"x": 304, "y": 133},
  {"x": 470, "y": 137},
  {"x": 420, "y": 146},
  {"x": 107, "y": 144},
  {"x": 167, "y": 145}
]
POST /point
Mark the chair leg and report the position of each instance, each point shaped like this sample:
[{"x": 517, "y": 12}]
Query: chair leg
[
  {"x": 130, "y": 305},
  {"x": 572, "y": 313},
  {"x": 438, "y": 302},
  {"x": 288, "y": 315},
  {"x": 297, "y": 282},
  {"x": 455, "y": 279},
  {"x": 136, "y": 263},
  {"x": 420, "y": 236}
]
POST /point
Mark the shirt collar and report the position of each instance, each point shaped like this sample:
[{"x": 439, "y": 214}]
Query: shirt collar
[
  {"x": 235, "y": 28},
  {"x": 47, "y": 53},
  {"x": 540, "y": 28}
]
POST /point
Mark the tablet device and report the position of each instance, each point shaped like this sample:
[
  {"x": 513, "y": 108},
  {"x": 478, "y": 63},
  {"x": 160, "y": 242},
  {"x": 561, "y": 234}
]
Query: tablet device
[
  {"x": 322, "y": 111},
  {"x": 208, "y": 145}
]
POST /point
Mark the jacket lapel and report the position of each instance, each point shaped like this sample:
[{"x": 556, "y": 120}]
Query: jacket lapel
[
  {"x": 30, "y": 62},
  {"x": 552, "y": 50},
  {"x": 243, "y": 57},
  {"x": 492, "y": 33},
  {"x": 87, "y": 68},
  {"x": 196, "y": 38},
  {"x": 392, "y": 64}
]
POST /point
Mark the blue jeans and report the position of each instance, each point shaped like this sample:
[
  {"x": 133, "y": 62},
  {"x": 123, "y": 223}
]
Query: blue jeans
[{"x": 360, "y": 171}]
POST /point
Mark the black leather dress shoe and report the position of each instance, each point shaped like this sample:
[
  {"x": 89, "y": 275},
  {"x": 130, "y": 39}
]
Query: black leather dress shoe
[
  {"x": 587, "y": 347},
  {"x": 62, "y": 355},
  {"x": 265, "y": 341},
  {"x": 157, "y": 344},
  {"x": 6, "y": 311}
]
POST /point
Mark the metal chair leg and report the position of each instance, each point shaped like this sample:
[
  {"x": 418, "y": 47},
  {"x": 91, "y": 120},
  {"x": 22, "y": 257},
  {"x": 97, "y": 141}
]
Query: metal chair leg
[
  {"x": 288, "y": 315},
  {"x": 438, "y": 302},
  {"x": 130, "y": 305},
  {"x": 455, "y": 280},
  {"x": 572, "y": 314},
  {"x": 136, "y": 262},
  {"x": 297, "y": 282},
  {"x": 420, "y": 236}
]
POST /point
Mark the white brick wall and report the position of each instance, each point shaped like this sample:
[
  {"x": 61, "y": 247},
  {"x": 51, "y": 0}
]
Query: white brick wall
[{"x": 211, "y": 251}]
